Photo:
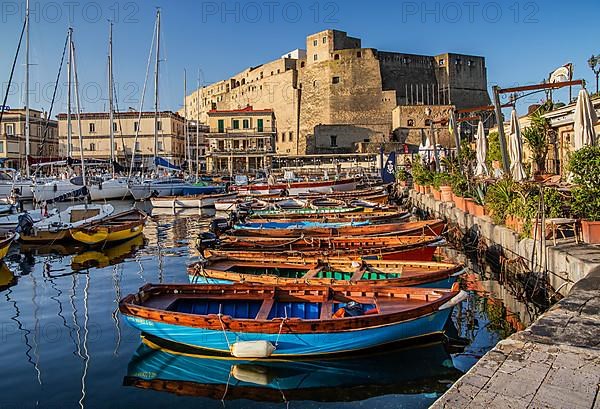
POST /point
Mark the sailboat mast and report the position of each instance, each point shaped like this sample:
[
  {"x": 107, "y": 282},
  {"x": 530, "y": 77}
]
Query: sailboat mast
[
  {"x": 197, "y": 124},
  {"x": 27, "y": 125},
  {"x": 110, "y": 101},
  {"x": 156, "y": 66},
  {"x": 185, "y": 122},
  {"x": 77, "y": 102},
  {"x": 69, "y": 86}
]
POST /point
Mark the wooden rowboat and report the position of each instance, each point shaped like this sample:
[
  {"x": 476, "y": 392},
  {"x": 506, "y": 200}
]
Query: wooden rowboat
[
  {"x": 260, "y": 321},
  {"x": 304, "y": 213},
  {"x": 354, "y": 248},
  {"x": 425, "y": 228},
  {"x": 368, "y": 216},
  {"x": 119, "y": 227},
  {"x": 58, "y": 227},
  {"x": 396, "y": 273}
]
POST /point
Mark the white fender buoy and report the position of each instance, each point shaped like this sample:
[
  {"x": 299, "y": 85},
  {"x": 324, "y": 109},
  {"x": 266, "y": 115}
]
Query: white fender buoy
[
  {"x": 256, "y": 374},
  {"x": 252, "y": 349}
]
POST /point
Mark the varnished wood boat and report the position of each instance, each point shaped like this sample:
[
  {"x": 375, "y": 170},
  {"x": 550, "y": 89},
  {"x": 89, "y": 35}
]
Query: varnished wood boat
[
  {"x": 5, "y": 243},
  {"x": 259, "y": 321},
  {"x": 297, "y": 188},
  {"x": 374, "y": 216},
  {"x": 163, "y": 366},
  {"x": 119, "y": 227},
  {"x": 397, "y": 273},
  {"x": 305, "y": 213},
  {"x": 420, "y": 248},
  {"x": 425, "y": 228}
]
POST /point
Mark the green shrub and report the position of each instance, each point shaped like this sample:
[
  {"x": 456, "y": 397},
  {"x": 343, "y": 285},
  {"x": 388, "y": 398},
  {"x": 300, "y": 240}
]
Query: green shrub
[{"x": 585, "y": 167}]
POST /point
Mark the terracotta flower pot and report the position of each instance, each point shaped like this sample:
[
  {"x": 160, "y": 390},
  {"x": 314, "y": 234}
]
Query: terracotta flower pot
[
  {"x": 427, "y": 189},
  {"x": 590, "y": 231},
  {"x": 469, "y": 205},
  {"x": 478, "y": 210},
  {"x": 437, "y": 195},
  {"x": 416, "y": 187},
  {"x": 446, "y": 193},
  {"x": 459, "y": 201}
]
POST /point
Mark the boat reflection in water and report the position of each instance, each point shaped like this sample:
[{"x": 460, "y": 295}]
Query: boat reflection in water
[
  {"x": 162, "y": 366},
  {"x": 107, "y": 256},
  {"x": 7, "y": 277}
]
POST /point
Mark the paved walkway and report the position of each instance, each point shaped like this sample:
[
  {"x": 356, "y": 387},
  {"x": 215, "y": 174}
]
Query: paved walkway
[{"x": 555, "y": 363}]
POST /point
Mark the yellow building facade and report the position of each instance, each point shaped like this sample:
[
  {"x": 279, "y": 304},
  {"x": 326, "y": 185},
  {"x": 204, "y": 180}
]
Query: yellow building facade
[
  {"x": 96, "y": 136},
  {"x": 12, "y": 137}
]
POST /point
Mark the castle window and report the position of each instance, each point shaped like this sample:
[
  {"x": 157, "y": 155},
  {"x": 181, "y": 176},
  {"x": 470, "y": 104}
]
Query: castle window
[
  {"x": 335, "y": 80},
  {"x": 428, "y": 122},
  {"x": 302, "y": 64},
  {"x": 471, "y": 63},
  {"x": 290, "y": 136},
  {"x": 315, "y": 57},
  {"x": 315, "y": 84},
  {"x": 92, "y": 146},
  {"x": 92, "y": 127},
  {"x": 333, "y": 141},
  {"x": 336, "y": 57},
  {"x": 441, "y": 62},
  {"x": 315, "y": 42},
  {"x": 410, "y": 122},
  {"x": 324, "y": 40},
  {"x": 359, "y": 54}
]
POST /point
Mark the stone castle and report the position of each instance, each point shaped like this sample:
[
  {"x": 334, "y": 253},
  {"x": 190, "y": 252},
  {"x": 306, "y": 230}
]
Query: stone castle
[{"x": 335, "y": 94}]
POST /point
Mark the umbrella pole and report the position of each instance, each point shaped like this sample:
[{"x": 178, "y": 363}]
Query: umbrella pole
[{"x": 501, "y": 136}]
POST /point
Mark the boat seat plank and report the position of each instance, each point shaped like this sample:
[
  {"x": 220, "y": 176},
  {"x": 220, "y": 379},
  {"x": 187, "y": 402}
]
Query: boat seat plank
[
  {"x": 326, "y": 310},
  {"x": 265, "y": 309}
]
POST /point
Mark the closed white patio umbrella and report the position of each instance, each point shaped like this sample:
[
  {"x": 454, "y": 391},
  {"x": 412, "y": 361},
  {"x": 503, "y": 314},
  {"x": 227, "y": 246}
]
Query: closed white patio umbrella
[
  {"x": 584, "y": 120},
  {"x": 482, "y": 147},
  {"x": 516, "y": 148}
]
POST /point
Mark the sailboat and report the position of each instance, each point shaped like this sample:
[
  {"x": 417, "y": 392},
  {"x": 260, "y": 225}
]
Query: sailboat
[
  {"x": 168, "y": 185},
  {"x": 10, "y": 181},
  {"x": 74, "y": 187},
  {"x": 114, "y": 187}
]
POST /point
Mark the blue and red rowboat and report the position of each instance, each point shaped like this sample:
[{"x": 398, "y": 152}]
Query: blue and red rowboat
[
  {"x": 419, "y": 248},
  {"x": 259, "y": 321}
]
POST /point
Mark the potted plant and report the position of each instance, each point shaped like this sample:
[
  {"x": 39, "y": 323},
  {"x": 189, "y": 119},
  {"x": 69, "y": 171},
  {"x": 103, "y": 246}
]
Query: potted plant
[
  {"x": 478, "y": 205},
  {"x": 460, "y": 187},
  {"x": 402, "y": 177},
  {"x": 585, "y": 167},
  {"x": 499, "y": 197}
]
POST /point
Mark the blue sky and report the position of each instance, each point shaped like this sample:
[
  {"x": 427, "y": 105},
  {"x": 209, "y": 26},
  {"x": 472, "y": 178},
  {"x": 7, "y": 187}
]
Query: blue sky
[{"x": 522, "y": 40}]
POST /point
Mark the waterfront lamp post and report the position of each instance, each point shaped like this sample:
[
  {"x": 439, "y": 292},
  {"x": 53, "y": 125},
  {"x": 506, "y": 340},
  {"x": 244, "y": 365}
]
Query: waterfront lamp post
[{"x": 594, "y": 63}]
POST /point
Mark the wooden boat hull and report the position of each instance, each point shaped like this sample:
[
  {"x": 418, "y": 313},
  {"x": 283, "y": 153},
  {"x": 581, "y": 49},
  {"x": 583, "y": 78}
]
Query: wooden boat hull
[
  {"x": 369, "y": 217},
  {"x": 295, "y": 320},
  {"x": 5, "y": 245},
  {"x": 226, "y": 271},
  {"x": 46, "y": 236},
  {"x": 120, "y": 227},
  {"x": 298, "y": 344},
  {"x": 298, "y": 188},
  {"x": 421, "y": 248},
  {"x": 425, "y": 228}
]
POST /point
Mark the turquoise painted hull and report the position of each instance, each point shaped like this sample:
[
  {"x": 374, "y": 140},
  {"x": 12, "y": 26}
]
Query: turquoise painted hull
[{"x": 298, "y": 344}]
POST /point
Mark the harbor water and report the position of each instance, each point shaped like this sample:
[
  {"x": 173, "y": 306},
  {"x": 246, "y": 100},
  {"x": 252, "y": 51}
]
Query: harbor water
[{"x": 66, "y": 346}]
